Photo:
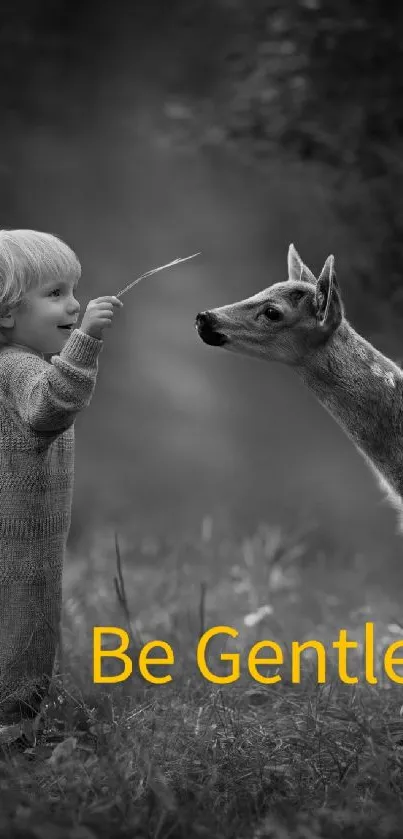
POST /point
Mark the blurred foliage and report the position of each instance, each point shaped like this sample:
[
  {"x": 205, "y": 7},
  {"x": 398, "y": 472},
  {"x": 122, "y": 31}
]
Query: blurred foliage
[
  {"x": 320, "y": 81},
  {"x": 323, "y": 80},
  {"x": 315, "y": 79}
]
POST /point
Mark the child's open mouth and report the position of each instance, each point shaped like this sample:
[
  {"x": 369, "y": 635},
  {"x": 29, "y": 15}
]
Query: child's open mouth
[{"x": 66, "y": 326}]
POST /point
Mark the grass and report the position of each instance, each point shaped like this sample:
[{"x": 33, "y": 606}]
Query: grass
[{"x": 195, "y": 759}]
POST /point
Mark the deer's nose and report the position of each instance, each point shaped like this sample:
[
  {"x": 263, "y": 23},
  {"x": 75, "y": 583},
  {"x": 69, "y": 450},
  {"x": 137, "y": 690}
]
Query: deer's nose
[
  {"x": 205, "y": 320},
  {"x": 206, "y": 324}
]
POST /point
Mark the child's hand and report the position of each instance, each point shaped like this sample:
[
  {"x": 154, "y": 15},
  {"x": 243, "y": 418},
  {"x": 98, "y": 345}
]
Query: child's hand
[{"x": 98, "y": 315}]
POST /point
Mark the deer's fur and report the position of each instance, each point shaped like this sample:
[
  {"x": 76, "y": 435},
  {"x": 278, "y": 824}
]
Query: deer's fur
[{"x": 359, "y": 386}]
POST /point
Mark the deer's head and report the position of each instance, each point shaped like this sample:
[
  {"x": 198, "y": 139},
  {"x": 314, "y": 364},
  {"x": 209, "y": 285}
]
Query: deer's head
[{"x": 284, "y": 322}]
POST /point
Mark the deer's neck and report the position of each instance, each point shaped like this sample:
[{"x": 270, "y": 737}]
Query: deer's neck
[{"x": 363, "y": 390}]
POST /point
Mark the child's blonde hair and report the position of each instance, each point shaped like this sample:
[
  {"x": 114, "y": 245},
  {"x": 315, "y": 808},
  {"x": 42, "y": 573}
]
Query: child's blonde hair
[{"x": 27, "y": 259}]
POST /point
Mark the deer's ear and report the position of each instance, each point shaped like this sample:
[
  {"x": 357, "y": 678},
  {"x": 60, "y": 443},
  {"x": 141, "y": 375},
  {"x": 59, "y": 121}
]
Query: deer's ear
[
  {"x": 307, "y": 276},
  {"x": 296, "y": 268},
  {"x": 295, "y": 263},
  {"x": 329, "y": 306}
]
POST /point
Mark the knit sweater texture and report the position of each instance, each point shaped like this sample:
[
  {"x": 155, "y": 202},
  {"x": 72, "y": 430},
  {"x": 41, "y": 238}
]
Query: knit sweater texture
[{"x": 39, "y": 402}]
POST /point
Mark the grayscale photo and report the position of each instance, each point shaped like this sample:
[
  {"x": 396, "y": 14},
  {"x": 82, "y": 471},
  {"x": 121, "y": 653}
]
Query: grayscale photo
[{"x": 201, "y": 419}]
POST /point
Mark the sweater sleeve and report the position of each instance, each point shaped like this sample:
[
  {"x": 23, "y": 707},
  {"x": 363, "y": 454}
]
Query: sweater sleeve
[{"x": 48, "y": 397}]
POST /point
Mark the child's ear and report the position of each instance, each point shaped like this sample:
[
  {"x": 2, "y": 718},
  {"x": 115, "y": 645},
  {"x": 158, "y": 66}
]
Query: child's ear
[{"x": 7, "y": 321}]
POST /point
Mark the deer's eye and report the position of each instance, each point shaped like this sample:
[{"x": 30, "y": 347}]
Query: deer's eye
[{"x": 270, "y": 313}]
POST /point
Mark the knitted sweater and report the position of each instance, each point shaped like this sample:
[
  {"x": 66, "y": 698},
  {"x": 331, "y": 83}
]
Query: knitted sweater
[{"x": 39, "y": 402}]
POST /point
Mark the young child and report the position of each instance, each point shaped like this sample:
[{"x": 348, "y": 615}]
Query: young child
[{"x": 48, "y": 370}]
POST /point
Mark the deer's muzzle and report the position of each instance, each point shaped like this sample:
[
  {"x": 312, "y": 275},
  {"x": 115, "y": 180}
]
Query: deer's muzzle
[{"x": 206, "y": 324}]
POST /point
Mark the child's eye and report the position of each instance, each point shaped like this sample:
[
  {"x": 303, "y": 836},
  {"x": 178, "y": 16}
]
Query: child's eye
[{"x": 55, "y": 291}]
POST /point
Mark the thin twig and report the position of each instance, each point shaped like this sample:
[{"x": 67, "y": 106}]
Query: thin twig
[
  {"x": 202, "y": 607},
  {"x": 154, "y": 271},
  {"x": 122, "y": 597}
]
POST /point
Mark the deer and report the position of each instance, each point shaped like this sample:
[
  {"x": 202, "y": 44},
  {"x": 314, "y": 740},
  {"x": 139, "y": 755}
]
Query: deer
[{"x": 301, "y": 322}]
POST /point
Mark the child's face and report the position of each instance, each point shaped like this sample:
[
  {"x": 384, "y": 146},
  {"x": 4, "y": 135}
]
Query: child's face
[{"x": 43, "y": 312}]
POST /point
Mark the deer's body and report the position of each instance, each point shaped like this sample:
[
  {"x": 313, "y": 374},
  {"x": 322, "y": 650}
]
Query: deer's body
[
  {"x": 363, "y": 391},
  {"x": 301, "y": 322}
]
